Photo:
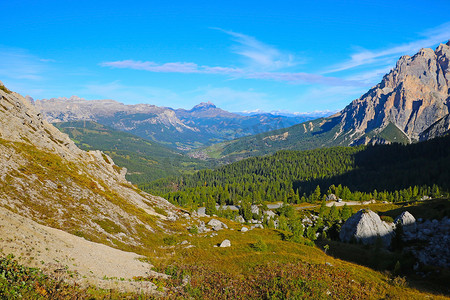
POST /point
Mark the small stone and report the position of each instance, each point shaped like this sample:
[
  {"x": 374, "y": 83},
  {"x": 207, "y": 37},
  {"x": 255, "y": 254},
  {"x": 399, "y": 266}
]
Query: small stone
[{"x": 244, "y": 229}]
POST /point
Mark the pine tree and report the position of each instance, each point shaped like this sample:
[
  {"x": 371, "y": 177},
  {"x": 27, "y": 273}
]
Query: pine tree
[
  {"x": 346, "y": 212},
  {"x": 316, "y": 194}
]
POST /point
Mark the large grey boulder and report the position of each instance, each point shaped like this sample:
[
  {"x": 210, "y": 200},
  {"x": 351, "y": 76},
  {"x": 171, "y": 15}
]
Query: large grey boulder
[
  {"x": 366, "y": 226},
  {"x": 407, "y": 221},
  {"x": 217, "y": 225}
]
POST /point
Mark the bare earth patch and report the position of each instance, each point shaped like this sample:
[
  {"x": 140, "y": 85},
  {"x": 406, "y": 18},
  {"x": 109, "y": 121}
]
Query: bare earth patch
[{"x": 73, "y": 258}]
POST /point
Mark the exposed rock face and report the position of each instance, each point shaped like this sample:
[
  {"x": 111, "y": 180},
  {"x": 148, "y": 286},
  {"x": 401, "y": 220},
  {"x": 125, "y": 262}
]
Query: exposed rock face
[
  {"x": 413, "y": 96},
  {"x": 366, "y": 226}
]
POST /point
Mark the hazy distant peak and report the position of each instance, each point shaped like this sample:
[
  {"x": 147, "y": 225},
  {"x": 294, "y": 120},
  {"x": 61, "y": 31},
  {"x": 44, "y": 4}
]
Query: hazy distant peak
[{"x": 203, "y": 106}]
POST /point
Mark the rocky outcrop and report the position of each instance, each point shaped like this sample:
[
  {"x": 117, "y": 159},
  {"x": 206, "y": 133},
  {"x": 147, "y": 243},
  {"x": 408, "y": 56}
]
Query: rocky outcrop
[
  {"x": 413, "y": 96},
  {"x": 366, "y": 227}
]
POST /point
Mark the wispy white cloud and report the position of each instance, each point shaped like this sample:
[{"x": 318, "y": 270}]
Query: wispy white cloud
[
  {"x": 264, "y": 62},
  {"x": 390, "y": 55},
  {"x": 190, "y": 68},
  {"x": 258, "y": 54}
]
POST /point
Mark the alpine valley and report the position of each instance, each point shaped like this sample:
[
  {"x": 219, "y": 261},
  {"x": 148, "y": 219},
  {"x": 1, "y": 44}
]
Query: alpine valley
[
  {"x": 182, "y": 129},
  {"x": 102, "y": 200}
]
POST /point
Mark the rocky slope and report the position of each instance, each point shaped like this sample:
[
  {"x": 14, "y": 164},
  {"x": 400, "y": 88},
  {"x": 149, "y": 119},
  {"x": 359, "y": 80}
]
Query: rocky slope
[
  {"x": 413, "y": 96},
  {"x": 183, "y": 129},
  {"x": 46, "y": 178}
]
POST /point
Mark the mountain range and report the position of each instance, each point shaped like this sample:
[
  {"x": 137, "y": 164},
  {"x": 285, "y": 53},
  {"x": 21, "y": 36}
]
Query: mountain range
[
  {"x": 74, "y": 213},
  {"x": 410, "y": 104},
  {"x": 182, "y": 129}
]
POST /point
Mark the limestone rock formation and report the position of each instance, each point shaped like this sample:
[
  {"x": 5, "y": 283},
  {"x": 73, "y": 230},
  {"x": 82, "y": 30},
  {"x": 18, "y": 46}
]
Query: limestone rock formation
[
  {"x": 412, "y": 97},
  {"x": 366, "y": 226}
]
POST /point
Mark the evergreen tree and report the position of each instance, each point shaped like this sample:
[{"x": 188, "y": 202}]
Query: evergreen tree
[
  {"x": 346, "y": 212},
  {"x": 210, "y": 208}
]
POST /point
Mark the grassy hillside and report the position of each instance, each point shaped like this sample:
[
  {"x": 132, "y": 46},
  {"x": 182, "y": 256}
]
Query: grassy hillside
[{"x": 145, "y": 160}]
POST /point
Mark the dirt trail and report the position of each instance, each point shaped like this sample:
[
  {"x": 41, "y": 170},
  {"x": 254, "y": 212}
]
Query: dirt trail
[{"x": 342, "y": 203}]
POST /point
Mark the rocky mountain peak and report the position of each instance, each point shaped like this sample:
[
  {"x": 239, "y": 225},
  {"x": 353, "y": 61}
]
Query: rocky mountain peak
[
  {"x": 412, "y": 97},
  {"x": 204, "y": 106}
]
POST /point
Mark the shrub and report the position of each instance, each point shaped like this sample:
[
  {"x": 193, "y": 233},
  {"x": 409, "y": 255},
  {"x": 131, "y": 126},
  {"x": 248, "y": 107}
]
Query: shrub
[
  {"x": 193, "y": 229},
  {"x": 260, "y": 245},
  {"x": 170, "y": 240},
  {"x": 387, "y": 219}
]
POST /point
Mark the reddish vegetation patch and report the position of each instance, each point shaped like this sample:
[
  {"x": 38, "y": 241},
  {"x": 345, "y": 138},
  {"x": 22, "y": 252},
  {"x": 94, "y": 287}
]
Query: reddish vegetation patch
[{"x": 273, "y": 281}]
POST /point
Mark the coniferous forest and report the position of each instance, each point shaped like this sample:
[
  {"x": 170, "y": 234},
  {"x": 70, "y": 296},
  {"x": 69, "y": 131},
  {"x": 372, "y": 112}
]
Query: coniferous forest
[{"x": 392, "y": 173}]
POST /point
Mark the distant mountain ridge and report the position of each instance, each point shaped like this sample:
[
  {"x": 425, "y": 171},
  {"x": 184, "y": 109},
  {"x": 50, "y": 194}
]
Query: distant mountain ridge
[
  {"x": 183, "y": 129},
  {"x": 410, "y": 104}
]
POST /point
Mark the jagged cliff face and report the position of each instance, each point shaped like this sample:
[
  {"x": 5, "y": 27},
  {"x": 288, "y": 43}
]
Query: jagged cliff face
[
  {"x": 44, "y": 176},
  {"x": 413, "y": 96}
]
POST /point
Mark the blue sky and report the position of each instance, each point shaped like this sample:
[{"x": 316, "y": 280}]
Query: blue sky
[{"x": 297, "y": 56}]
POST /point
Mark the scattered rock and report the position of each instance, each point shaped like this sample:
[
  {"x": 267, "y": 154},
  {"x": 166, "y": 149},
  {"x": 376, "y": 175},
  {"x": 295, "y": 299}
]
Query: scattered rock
[
  {"x": 255, "y": 209},
  {"x": 171, "y": 217},
  {"x": 225, "y": 243},
  {"x": 217, "y": 225},
  {"x": 244, "y": 229},
  {"x": 201, "y": 211},
  {"x": 239, "y": 219},
  {"x": 257, "y": 226},
  {"x": 270, "y": 214}
]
